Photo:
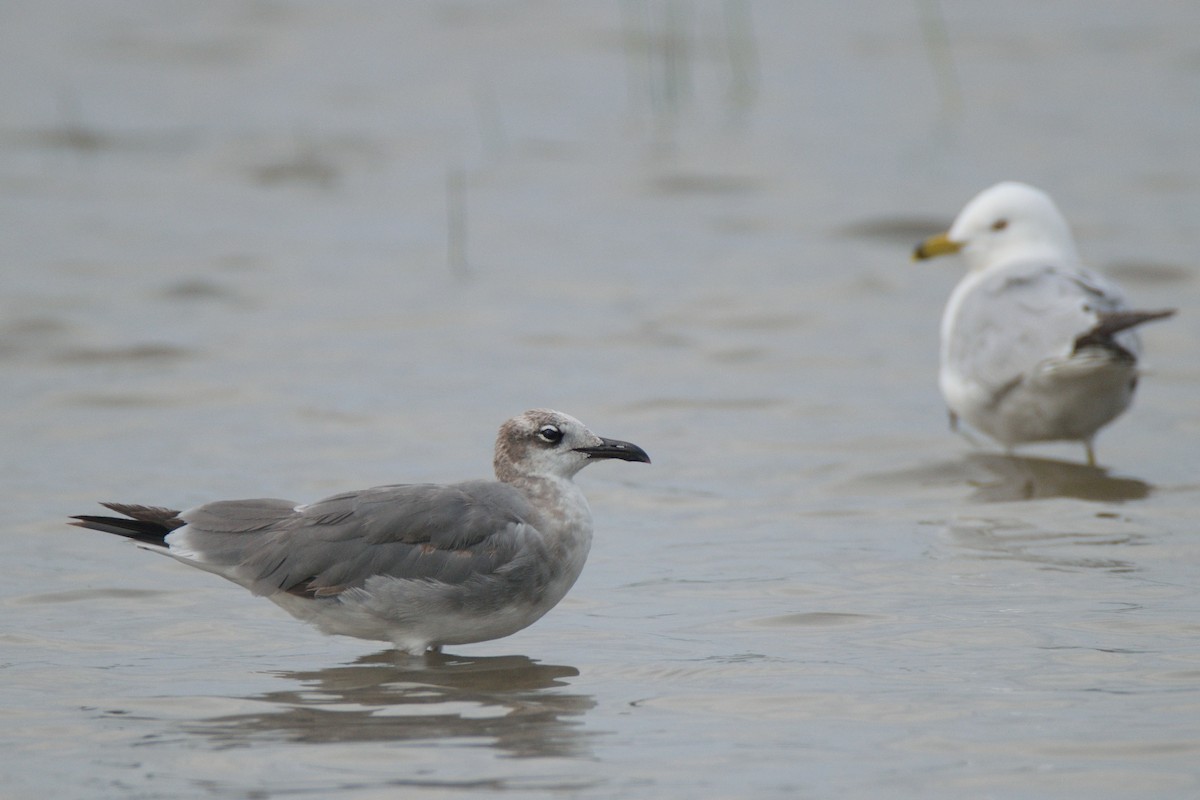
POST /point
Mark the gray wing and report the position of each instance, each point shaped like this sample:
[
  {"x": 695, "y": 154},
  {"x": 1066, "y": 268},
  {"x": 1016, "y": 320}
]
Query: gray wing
[
  {"x": 1024, "y": 314},
  {"x": 413, "y": 531}
]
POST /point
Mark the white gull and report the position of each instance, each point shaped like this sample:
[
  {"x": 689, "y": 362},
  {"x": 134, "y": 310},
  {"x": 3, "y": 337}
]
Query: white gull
[
  {"x": 417, "y": 565},
  {"x": 1034, "y": 346}
]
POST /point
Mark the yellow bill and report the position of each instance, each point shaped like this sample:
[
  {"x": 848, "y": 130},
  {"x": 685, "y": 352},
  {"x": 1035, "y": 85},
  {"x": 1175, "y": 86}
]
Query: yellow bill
[{"x": 938, "y": 245}]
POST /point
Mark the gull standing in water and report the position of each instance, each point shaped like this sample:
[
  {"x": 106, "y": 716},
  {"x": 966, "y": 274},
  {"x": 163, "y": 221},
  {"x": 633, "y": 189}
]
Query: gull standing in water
[
  {"x": 1034, "y": 347},
  {"x": 417, "y": 565}
]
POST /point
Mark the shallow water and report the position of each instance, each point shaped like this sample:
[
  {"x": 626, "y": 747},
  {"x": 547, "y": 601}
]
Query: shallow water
[{"x": 289, "y": 249}]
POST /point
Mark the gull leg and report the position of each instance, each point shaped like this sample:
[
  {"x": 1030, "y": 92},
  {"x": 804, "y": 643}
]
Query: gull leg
[
  {"x": 1091, "y": 453},
  {"x": 961, "y": 431}
]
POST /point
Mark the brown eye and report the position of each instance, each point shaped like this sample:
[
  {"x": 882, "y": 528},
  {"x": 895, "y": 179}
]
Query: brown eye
[{"x": 999, "y": 224}]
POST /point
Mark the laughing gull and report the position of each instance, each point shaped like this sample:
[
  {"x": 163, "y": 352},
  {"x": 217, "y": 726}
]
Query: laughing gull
[
  {"x": 1034, "y": 346},
  {"x": 417, "y": 565}
]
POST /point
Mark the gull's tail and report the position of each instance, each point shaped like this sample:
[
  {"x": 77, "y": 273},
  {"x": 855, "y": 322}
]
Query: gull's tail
[{"x": 146, "y": 524}]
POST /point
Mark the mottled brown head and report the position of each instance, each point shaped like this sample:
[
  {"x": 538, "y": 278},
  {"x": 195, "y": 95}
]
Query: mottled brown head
[{"x": 541, "y": 442}]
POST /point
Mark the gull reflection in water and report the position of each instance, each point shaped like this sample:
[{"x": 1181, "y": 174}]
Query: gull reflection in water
[
  {"x": 1004, "y": 477},
  {"x": 512, "y": 701}
]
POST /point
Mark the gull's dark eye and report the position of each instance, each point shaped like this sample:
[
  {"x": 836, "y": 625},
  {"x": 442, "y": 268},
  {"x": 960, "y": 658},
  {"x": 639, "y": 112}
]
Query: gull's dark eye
[
  {"x": 999, "y": 224},
  {"x": 550, "y": 434}
]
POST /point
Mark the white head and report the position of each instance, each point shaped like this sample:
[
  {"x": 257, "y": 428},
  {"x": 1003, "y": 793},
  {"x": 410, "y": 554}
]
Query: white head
[
  {"x": 1005, "y": 222},
  {"x": 541, "y": 442}
]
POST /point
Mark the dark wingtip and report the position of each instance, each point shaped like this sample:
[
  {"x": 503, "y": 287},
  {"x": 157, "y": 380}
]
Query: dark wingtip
[
  {"x": 1113, "y": 322},
  {"x": 148, "y": 524}
]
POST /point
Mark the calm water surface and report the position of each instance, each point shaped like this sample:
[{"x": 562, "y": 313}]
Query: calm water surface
[{"x": 287, "y": 249}]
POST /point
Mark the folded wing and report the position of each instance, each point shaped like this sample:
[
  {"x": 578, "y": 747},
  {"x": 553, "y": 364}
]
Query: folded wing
[
  {"x": 419, "y": 532},
  {"x": 1020, "y": 317}
]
